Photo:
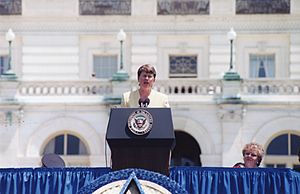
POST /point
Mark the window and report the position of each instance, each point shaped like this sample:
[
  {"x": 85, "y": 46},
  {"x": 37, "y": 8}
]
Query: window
[
  {"x": 105, "y": 66},
  {"x": 183, "y": 66},
  {"x": 262, "y": 66},
  {"x": 182, "y": 7},
  {"x": 3, "y": 64},
  {"x": 105, "y": 7},
  {"x": 10, "y": 7},
  {"x": 282, "y": 151},
  {"x": 66, "y": 144},
  {"x": 71, "y": 148},
  {"x": 263, "y": 6}
]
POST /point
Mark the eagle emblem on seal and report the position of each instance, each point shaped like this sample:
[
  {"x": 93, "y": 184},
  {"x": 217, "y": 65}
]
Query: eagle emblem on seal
[{"x": 140, "y": 122}]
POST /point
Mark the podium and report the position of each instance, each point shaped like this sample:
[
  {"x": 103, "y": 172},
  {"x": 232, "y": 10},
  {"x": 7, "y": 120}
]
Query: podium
[{"x": 133, "y": 145}]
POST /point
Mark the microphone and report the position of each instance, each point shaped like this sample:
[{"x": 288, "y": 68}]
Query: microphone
[
  {"x": 140, "y": 102},
  {"x": 144, "y": 103}
]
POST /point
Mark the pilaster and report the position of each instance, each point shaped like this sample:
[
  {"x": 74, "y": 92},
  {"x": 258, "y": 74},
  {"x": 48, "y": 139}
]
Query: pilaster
[
  {"x": 219, "y": 55},
  {"x": 295, "y": 56},
  {"x": 295, "y": 7},
  {"x": 231, "y": 118},
  {"x": 144, "y": 8},
  {"x": 222, "y": 7}
]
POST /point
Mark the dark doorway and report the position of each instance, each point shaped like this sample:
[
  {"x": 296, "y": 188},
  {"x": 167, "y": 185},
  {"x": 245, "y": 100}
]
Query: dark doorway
[{"x": 186, "y": 152}]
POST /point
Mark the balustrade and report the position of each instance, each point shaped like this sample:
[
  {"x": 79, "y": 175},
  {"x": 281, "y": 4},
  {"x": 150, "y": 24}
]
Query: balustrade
[
  {"x": 65, "y": 88},
  {"x": 271, "y": 87},
  {"x": 170, "y": 87}
]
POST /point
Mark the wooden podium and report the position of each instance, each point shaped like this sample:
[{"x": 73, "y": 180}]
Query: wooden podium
[{"x": 131, "y": 148}]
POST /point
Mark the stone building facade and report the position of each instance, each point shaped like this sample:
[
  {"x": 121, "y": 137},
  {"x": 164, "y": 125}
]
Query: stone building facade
[{"x": 65, "y": 52}]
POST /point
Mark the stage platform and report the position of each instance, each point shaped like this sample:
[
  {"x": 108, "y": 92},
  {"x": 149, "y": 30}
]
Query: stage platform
[{"x": 195, "y": 180}]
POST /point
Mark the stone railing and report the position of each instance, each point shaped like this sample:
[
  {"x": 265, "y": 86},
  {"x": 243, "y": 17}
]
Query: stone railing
[
  {"x": 64, "y": 88},
  {"x": 270, "y": 87},
  {"x": 190, "y": 87},
  {"x": 170, "y": 87}
]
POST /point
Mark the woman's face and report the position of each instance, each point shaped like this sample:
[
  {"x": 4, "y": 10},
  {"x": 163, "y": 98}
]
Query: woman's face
[
  {"x": 146, "y": 80},
  {"x": 250, "y": 158}
]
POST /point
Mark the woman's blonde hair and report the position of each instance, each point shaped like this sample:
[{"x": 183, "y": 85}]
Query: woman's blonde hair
[{"x": 256, "y": 148}]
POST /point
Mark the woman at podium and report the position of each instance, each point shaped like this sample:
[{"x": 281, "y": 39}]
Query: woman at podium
[{"x": 145, "y": 96}]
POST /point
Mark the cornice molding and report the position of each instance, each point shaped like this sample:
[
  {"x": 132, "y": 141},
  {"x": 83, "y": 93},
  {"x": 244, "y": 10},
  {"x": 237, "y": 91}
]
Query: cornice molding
[{"x": 160, "y": 24}]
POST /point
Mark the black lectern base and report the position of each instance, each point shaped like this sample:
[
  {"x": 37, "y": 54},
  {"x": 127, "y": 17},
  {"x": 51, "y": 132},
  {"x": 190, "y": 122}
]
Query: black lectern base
[{"x": 149, "y": 158}]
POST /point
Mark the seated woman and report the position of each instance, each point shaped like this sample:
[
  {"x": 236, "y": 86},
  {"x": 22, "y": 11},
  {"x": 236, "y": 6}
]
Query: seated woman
[{"x": 252, "y": 154}]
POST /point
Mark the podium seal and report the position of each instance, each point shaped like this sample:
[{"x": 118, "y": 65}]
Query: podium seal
[{"x": 140, "y": 122}]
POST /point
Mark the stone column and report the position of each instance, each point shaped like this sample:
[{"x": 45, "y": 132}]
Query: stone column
[{"x": 231, "y": 117}]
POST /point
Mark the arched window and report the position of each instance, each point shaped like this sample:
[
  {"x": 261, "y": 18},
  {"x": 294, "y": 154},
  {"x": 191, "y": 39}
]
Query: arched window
[
  {"x": 282, "y": 151},
  {"x": 71, "y": 148}
]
